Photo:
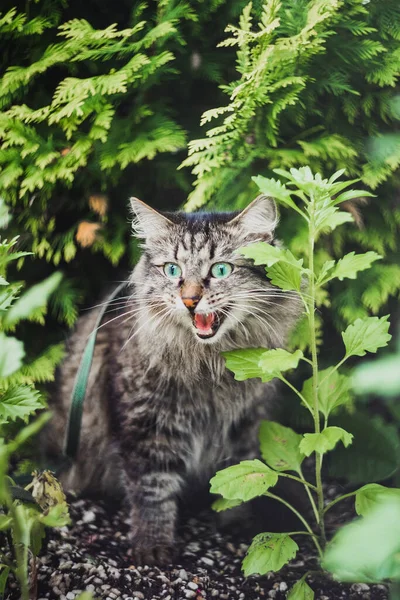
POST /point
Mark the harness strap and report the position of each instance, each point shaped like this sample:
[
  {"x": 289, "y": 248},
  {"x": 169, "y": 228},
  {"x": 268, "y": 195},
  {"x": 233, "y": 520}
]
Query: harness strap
[{"x": 74, "y": 424}]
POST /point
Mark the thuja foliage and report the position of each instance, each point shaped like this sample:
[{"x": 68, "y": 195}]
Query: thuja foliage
[
  {"x": 315, "y": 86},
  {"x": 316, "y": 201},
  {"x": 23, "y": 515}
]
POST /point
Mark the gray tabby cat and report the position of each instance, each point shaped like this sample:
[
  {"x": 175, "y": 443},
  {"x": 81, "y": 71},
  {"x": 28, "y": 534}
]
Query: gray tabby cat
[{"x": 161, "y": 409}]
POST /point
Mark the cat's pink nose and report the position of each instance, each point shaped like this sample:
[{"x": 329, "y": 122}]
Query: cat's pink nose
[{"x": 191, "y": 294}]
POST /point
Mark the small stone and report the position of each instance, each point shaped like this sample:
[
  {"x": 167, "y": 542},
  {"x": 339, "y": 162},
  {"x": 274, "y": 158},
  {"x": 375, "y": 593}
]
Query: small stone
[
  {"x": 283, "y": 586},
  {"x": 183, "y": 575},
  {"x": 192, "y": 586},
  {"x": 90, "y": 588},
  {"x": 207, "y": 561},
  {"x": 70, "y": 596},
  {"x": 214, "y": 593},
  {"x": 189, "y": 594},
  {"x": 138, "y": 596},
  {"x": 271, "y": 593},
  {"x": 359, "y": 587}
]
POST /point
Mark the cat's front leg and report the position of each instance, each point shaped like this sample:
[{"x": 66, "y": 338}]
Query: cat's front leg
[{"x": 153, "y": 482}]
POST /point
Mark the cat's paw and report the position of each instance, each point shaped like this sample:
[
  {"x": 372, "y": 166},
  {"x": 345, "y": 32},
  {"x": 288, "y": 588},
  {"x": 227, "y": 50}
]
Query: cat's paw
[{"x": 157, "y": 555}]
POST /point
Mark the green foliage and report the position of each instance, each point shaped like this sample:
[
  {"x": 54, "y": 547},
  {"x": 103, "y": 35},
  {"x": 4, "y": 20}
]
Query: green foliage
[
  {"x": 269, "y": 552},
  {"x": 247, "y": 480},
  {"x": 315, "y": 85},
  {"x": 349, "y": 555},
  {"x": 301, "y": 591},
  {"x": 282, "y": 449},
  {"x": 24, "y": 521}
]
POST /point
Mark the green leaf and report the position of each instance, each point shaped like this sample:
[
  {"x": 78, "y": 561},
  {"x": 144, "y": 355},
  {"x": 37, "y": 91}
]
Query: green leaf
[
  {"x": 280, "y": 447},
  {"x": 372, "y": 494},
  {"x": 224, "y": 504},
  {"x": 300, "y": 591},
  {"x": 349, "y": 556},
  {"x": 374, "y": 454},
  {"x": 351, "y": 264},
  {"x": 5, "y": 522},
  {"x": 324, "y": 441},
  {"x": 56, "y": 516},
  {"x": 33, "y": 300},
  {"x": 247, "y": 480},
  {"x": 366, "y": 335},
  {"x": 269, "y": 552},
  {"x": 245, "y": 363},
  {"x": 283, "y": 269},
  {"x": 275, "y": 189},
  {"x": 3, "y": 281},
  {"x": 333, "y": 391},
  {"x": 3, "y": 580},
  {"x": 262, "y": 253},
  {"x": 19, "y": 402},
  {"x": 273, "y": 362},
  {"x": 11, "y": 354}
]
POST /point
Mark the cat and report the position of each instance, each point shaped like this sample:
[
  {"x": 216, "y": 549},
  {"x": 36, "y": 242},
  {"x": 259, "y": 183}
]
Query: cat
[{"x": 161, "y": 409}]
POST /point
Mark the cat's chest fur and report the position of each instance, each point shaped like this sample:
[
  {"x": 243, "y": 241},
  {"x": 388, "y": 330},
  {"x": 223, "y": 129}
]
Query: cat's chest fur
[{"x": 201, "y": 415}]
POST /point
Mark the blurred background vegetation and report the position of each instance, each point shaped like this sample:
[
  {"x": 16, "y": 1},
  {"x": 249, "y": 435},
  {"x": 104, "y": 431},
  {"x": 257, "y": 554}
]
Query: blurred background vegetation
[{"x": 100, "y": 100}]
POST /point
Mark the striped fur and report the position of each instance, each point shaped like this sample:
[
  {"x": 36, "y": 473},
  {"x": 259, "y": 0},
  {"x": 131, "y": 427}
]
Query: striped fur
[{"x": 162, "y": 413}]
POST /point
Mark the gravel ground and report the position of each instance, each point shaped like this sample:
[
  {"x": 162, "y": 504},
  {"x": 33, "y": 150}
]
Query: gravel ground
[{"x": 93, "y": 554}]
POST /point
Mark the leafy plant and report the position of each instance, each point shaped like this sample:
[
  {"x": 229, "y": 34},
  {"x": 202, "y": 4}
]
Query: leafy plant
[
  {"x": 315, "y": 85},
  {"x": 23, "y": 515},
  {"x": 317, "y": 202}
]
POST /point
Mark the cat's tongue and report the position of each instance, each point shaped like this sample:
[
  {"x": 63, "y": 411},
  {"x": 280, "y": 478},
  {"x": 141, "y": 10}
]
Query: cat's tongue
[{"x": 204, "y": 322}]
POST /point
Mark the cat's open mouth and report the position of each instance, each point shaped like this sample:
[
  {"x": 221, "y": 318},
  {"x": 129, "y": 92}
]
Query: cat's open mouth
[{"x": 207, "y": 324}]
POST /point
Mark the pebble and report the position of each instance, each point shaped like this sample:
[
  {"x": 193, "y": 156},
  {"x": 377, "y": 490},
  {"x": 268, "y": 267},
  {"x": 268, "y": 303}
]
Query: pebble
[
  {"x": 190, "y": 594},
  {"x": 70, "y": 596},
  {"x": 139, "y": 596},
  {"x": 283, "y": 586},
  {"x": 207, "y": 561},
  {"x": 359, "y": 587},
  {"x": 192, "y": 586},
  {"x": 183, "y": 575}
]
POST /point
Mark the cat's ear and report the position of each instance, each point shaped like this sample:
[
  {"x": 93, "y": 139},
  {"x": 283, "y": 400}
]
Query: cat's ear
[
  {"x": 147, "y": 222},
  {"x": 258, "y": 219}
]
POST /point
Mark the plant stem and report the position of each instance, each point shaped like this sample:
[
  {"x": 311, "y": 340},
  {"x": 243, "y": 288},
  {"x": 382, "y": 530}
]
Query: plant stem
[
  {"x": 312, "y": 501},
  {"x": 314, "y": 358},
  {"x": 300, "y": 517},
  {"x": 335, "y": 368},
  {"x": 296, "y": 391},
  {"x": 329, "y": 506},
  {"x": 300, "y": 480}
]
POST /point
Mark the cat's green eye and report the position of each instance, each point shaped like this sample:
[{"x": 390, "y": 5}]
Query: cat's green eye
[
  {"x": 221, "y": 270},
  {"x": 172, "y": 270}
]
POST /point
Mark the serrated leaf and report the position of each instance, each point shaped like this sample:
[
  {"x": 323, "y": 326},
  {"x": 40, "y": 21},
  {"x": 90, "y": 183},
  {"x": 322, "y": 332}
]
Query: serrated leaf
[
  {"x": 247, "y": 480},
  {"x": 56, "y": 516},
  {"x": 285, "y": 275},
  {"x": 372, "y": 494},
  {"x": 366, "y": 335},
  {"x": 11, "y": 354},
  {"x": 333, "y": 390},
  {"x": 262, "y": 253},
  {"x": 324, "y": 441},
  {"x": 32, "y": 300},
  {"x": 280, "y": 446},
  {"x": 275, "y": 189},
  {"x": 19, "y": 402},
  {"x": 225, "y": 504},
  {"x": 351, "y": 264},
  {"x": 300, "y": 591},
  {"x": 328, "y": 218},
  {"x": 326, "y": 267},
  {"x": 273, "y": 362},
  {"x": 269, "y": 552},
  {"x": 245, "y": 363},
  {"x": 349, "y": 555},
  {"x": 283, "y": 269}
]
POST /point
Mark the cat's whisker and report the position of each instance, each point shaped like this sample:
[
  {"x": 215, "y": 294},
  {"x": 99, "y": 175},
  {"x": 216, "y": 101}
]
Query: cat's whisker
[{"x": 162, "y": 313}]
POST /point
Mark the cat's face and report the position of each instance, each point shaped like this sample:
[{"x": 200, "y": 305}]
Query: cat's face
[{"x": 191, "y": 276}]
